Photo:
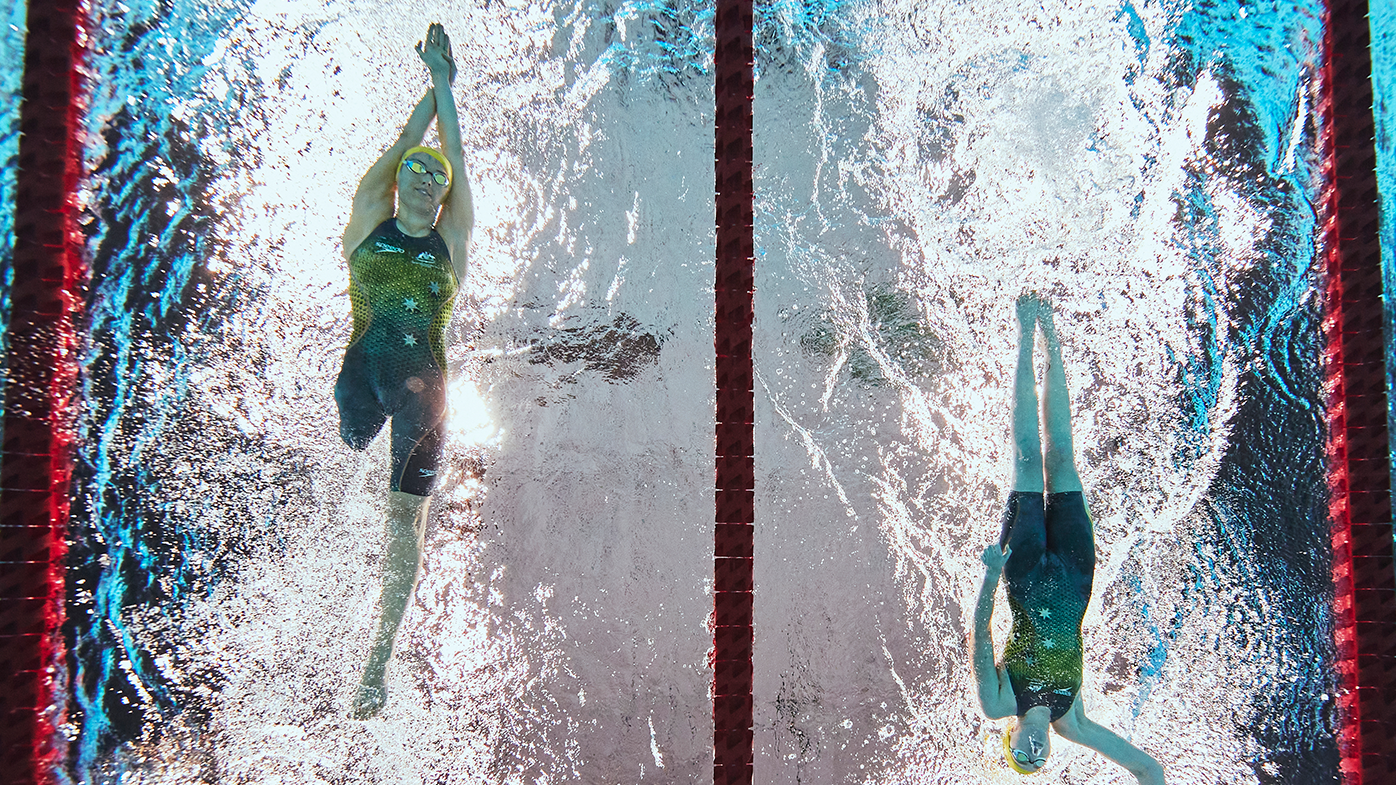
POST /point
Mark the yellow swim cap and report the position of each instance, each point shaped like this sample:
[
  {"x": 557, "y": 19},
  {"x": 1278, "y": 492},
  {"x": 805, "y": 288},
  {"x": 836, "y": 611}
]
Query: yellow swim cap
[
  {"x": 450, "y": 175},
  {"x": 1008, "y": 753}
]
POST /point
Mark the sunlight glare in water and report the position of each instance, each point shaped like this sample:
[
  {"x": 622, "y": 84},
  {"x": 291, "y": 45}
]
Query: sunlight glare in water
[{"x": 470, "y": 419}]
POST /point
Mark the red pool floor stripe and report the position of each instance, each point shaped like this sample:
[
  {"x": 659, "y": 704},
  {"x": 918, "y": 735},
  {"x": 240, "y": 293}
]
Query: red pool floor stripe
[
  {"x": 1358, "y": 448},
  {"x": 735, "y": 471},
  {"x": 36, "y": 455}
]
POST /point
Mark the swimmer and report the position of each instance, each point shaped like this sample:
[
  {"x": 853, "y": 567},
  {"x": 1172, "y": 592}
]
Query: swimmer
[
  {"x": 406, "y": 244},
  {"x": 1046, "y": 553}
]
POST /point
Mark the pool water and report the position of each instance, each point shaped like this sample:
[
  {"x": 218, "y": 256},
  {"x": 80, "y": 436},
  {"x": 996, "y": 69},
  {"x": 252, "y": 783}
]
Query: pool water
[
  {"x": 228, "y": 544},
  {"x": 11, "y": 51},
  {"x": 1151, "y": 168},
  {"x": 1383, "y": 25}
]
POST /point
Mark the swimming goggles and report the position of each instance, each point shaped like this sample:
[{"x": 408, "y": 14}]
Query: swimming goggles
[
  {"x": 416, "y": 167},
  {"x": 1018, "y": 759},
  {"x": 1024, "y": 759}
]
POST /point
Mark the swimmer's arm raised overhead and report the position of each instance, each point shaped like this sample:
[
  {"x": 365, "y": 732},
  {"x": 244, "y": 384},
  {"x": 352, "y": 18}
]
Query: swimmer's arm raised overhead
[
  {"x": 377, "y": 191},
  {"x": 1075, "y": 726},
  {"x": 457, "y": 209},
  {"x": 995, "y": 690}
]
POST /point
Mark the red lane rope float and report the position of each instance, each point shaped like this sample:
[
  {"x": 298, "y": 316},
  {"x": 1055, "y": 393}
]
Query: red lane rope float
[
  {"x": 735, "y": 470},
  {"x": 36, "y": 458},
  {"x": 1364, "y": 607}
]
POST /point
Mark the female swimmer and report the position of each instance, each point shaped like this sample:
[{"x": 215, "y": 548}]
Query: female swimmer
[
  {"x": 1046, "y": 553},
  {"x": 406, "y": 244}
]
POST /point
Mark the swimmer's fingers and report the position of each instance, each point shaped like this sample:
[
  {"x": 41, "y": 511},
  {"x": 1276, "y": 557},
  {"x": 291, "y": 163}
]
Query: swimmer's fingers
[
  {"x": 435, "y": 56},
  {"x": 450, "y": 58},
  {"x": 995, "y": 557},
  {"x": 435, "y": 52},
  {"x": 428, "y": 41},
  {"x": 424, "y": 53}
]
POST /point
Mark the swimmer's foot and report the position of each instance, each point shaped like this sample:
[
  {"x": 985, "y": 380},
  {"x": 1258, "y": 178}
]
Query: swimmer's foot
[
  {"x": 369, "y": 701},
  {"x": 1028, "y": 306}
]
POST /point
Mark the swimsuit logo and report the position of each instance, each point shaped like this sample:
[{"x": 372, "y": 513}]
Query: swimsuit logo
[
  {"x": 425, "y": 259},
  {"x": 383, "y": 247}
]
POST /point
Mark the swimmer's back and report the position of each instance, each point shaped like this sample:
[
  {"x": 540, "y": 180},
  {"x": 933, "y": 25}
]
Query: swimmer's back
[{"x": 1044, "y": 656}]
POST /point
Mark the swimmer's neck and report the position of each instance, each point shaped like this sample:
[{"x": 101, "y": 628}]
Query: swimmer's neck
[{"x": 415, "y": 225}]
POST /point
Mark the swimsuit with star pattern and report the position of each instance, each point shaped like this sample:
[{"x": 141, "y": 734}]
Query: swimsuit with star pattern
[
  {"x": 1048, "y": 581},
  {"x": 1044, "y": 655},
  {"x": 401, "y": 289}
]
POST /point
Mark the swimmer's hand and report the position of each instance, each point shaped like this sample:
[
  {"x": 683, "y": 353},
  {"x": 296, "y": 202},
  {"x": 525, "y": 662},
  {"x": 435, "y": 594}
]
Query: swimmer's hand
[
  {"x": 995, "y": 557},
  {"x": 1151, "y": 776},
  {"x": 436, "y": 52}
]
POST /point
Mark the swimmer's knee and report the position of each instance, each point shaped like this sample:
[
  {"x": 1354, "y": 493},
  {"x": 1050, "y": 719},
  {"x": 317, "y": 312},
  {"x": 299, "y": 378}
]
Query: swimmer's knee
[
  {"x": 1027, "y": 470},
  {"x": 1059, "y": 463}
]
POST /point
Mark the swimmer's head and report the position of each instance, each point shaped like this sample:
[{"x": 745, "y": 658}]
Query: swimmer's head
[
  {"x": 1027, "y": 743},
  {"x": 436, "y": 167}
]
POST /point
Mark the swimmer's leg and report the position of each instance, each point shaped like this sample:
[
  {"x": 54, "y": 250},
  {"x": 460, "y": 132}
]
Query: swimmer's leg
[
  {"x": 1027, "y": 443},
  {"x": 1023, "y": 522},
  {"x": 416, "y": 451},
  {"x": 1060, "y": 458},
  {"x": 1068, "y": 524},
  {"x": 407, "y": 518},
  {"x": 361, "y": 414},
  {"x": 1071, "y": 537}
]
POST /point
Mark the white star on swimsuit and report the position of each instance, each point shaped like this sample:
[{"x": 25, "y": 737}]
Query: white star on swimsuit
[
  {"x": 410, "y": 304},
  {"x": 1044, "y": 613},
  {"x": 435, "y": 287},
  {"x": 1049, "y": 644},
  {"x": 409, "y": 339}
]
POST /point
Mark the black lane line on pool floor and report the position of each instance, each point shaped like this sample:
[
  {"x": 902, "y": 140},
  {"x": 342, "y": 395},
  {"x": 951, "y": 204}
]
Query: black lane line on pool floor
[{"x": 733, "y": 538}]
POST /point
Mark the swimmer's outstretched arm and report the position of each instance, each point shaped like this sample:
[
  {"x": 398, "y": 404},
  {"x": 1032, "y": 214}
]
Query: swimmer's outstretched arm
[
  {"x": 995, "y": 690},
  {"x": 1075, "y": 726},
  {"x": 457, "y": 216},
  {"x": 374, "y": 199}
]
